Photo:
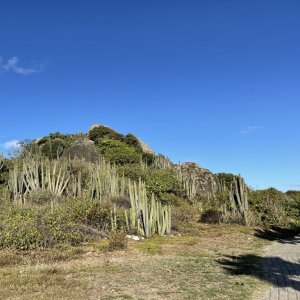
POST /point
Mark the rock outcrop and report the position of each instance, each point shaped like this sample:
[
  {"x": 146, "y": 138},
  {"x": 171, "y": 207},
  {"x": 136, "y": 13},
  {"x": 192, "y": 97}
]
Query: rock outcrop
[
  {"x": 145, "y": 147},
  {"x": 84, "y": 149},
  {"x": 207, "y": 182}
]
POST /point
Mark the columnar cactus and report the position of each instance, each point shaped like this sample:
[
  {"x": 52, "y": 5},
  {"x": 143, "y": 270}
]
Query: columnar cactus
[{"x": 147, "y": 217}]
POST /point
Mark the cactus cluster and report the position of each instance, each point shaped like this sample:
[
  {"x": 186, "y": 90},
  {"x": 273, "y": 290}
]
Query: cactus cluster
[
  {"x": 162, "y": 162},
  {"x": 37, "y": 173},
  {"x": 105, "y": 180},
  {"x": 146, "y": 217},
  {"x": 189, "y": 183},
  {"x": 237, "y": 196},
  {"x": 1, "y": 162}
]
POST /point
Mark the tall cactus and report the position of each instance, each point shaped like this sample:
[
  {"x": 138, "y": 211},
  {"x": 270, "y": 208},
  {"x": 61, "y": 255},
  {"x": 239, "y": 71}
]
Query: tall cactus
[
  {"x": 162, "y": 162},
  {"x": 236, "y": 198},
  {"x": 189, "y": 183},
  {"x": 105, "y": 180},
  {"x": 240, "y": 195},
  {"x": 1, "y": 162},
  {"x": 36, "y": 173},
  {"x": 147, "y": 217},
  {"x": 33, "y": 173}
]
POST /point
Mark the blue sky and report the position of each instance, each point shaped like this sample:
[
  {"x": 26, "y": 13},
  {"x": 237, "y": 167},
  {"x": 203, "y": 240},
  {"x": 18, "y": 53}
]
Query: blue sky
[{"x": 215, "y": 82}]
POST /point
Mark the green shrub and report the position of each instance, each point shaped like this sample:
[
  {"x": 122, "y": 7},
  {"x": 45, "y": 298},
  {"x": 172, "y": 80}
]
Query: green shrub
[
  {"x": 53, "y": 148},
  {"x": 182, "y": 214},
  {"x": 163, "y": 184},
  {"x": 133, "y": 171},
  {"x": 273, "y": 208},
  {"x": 94, "y": 213},
  {"x": 148, "y": 158},
  {"x": 101, "y": 131},
  {"x": 294, "y": 195},
  {"x": 4, "y": 171},
  {"x": 117, "y": 240},
  {"x": 118, "y": 152},
  {"x": 25, "y": 228},
  {"x": 41, "y": 197},
  {"x": 131, "y": 140}
]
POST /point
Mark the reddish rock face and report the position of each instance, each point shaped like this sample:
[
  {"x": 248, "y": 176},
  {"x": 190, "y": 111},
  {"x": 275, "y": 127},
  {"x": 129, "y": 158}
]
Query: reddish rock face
[{"x": 208, "y": 183}]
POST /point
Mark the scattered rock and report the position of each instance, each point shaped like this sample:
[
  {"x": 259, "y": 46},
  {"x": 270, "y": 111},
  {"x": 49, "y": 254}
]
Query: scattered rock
[{"x": 133, "y": 237}]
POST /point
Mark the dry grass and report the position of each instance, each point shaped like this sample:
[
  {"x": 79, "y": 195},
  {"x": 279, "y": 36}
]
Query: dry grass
[{"x": 178, "y": 267}]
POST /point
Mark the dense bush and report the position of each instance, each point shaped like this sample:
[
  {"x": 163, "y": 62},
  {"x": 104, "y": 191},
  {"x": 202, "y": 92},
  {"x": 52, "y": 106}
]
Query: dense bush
[
  {"x": 117, "y": 240},
  {"x": 294, "y": 195},
  {"x": 51, "y": 146},
  {"x": 41, "y": 197},
  {"x": 118, "y": 152},
  {"x": 4, "y": 171},
  {"x": 25, "y": 228},
  {"x": 132, "y": 140},
  {"x": 273, "y": 208},
  {"x": 133, "y": 171},
  {"x": 183, "y": 214},
  {"x": 101, "y": 131},
  {"x": 148, "y": 158},
  {"x": 94, "y": 213},
  {"x": 163, "y": 184}
]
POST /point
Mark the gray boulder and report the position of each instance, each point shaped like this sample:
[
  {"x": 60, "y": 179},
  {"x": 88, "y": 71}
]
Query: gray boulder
[
  {"x": 82, "y": 149},
  {"x": 207, "y": 182}
]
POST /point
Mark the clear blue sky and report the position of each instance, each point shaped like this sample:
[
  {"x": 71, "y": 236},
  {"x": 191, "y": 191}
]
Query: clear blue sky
[{"x": 216, "y": 82}]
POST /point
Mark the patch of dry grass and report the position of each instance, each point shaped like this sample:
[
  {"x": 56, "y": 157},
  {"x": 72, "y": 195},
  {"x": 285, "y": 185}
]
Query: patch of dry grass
[{"x": 178, "y": 267}]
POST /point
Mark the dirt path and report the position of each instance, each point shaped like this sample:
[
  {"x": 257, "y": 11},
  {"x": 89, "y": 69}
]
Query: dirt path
[{"x": 282, "y": 270}]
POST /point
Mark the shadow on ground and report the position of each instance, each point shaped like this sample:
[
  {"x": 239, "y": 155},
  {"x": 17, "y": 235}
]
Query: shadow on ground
[
  {"x": 278, "y": 234},
  {"x": 273, "y": 269}
]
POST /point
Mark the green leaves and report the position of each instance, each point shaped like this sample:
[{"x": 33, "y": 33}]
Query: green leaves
[
  {"x": 118, "y": 152},
  {"x": 163, "y": 184}
]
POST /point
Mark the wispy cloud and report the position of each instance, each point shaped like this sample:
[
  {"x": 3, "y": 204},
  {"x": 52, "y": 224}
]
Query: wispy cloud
[
  {"x": 296, "y": 185},
  {"x": 12, "y": 65},
  {"x": 250, "y": 129},
  {"x": 10, "y": 144}
]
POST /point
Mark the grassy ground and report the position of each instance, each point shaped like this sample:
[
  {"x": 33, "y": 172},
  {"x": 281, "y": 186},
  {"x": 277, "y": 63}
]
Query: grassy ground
[{"x": 175, "y": 267}]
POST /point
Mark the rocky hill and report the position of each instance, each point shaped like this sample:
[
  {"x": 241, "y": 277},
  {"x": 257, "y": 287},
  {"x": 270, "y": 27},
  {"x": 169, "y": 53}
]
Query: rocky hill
[
  {"x": 69, "y": 188},
  {"x": 124, "y": 150}
]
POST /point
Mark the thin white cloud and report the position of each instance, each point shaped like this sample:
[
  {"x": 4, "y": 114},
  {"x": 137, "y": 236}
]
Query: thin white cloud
[
  {"x": 250, "y": 129},
  {"x": 297, "y": 185},
  {"x": 11, "y": 144},
  {"x": 12, "y": 65}
]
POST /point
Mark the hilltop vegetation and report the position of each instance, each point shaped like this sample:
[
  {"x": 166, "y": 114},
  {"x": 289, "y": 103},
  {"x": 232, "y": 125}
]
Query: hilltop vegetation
[{"x": 76, "y": 188}]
